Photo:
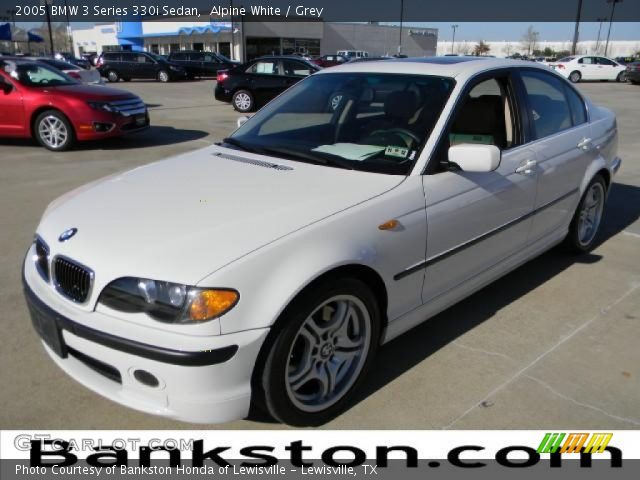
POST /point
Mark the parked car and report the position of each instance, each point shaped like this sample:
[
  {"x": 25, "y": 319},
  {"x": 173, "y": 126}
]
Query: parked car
[
  {"x": 128, "y": 65},
  {"x": 589, "y": 67},
  {"x": 625, "y": 60},
  {"x": 70, "y": 58},
  {"x": 253, "y": 84},
  {"x": 632, "y": 73},
  {"x": 324, "y": 234},
  {"x": 330, "y": 60},
  {"x": 200, "y": 64},
  {"x": 39, "y": 101},
  {"x": 89, "y": 77}
]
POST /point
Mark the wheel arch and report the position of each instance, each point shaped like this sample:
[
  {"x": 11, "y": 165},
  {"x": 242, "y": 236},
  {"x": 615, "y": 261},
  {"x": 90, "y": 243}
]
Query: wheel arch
[
  {"x": 44, "y": 108},
  {"x": 362, "y": 272}
]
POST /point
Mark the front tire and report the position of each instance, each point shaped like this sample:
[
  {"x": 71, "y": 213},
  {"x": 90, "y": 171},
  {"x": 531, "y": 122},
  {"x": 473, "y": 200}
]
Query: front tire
[
  {"x": 622, "y": 77},
  {"x": 243, "y": 101},
  {"x": 323, "y": 346},
  {"x": 584, "y": 227},
  {"x": 54, "y": 131}
]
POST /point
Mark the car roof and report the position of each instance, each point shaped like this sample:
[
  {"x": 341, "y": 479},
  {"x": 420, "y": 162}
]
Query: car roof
[{"x": 441, "y": 66}]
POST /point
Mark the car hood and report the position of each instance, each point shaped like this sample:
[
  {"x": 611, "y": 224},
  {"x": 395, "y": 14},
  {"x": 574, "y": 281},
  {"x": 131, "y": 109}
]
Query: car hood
[
  {"x": 182, "y": 218},
  {"x": 90, "y": 92}
]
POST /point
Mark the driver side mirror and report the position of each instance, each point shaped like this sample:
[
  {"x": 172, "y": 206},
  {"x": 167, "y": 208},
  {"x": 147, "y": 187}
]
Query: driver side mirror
[
  {"x": 472, "y": 157},
  {"x": 5, "y": 86}
]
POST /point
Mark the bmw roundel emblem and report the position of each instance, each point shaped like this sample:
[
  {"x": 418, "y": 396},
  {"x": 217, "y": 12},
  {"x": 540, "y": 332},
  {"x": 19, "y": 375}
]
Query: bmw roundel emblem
[{"x": 67, "y": 234}]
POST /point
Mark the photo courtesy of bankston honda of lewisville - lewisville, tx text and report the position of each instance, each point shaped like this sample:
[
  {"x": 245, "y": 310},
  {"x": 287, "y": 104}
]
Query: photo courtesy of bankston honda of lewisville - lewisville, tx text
[{"x": 319, "y": 238}]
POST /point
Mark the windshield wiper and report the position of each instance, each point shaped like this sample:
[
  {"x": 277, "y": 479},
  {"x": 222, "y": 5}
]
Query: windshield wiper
[
  {"x": 310, "y": 157},
  {"x": 290, "y": 153}
]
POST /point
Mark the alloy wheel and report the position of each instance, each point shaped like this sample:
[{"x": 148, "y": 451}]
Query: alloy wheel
[
  {"x": 328, "y": 353},
  {"x": 591, "y": 214},
  {"x": 243, "y": 101},
  {"x": 53, "y": 131}
]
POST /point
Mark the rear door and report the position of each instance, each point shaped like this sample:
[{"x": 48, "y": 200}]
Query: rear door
[
  {"x": 562, "y": 142},
  {"x": 12, "y": 119},
  {"x": 478, "y": 220},
  {"x": 265, "y": 79},
  {"x": 588, "y": 68}
]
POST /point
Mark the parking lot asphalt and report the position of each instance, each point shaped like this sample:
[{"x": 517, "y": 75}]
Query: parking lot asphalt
[{"x": 552, "y": 345}]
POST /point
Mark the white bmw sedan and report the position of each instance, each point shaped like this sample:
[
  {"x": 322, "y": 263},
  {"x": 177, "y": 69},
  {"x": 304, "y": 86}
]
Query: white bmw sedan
[
  {"x": 268, "y": 269},
  {"x": 589, "y": 67}
]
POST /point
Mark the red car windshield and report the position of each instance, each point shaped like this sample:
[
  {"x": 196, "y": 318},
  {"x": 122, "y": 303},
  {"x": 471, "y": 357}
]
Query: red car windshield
[{"x": 35, "y": 75}]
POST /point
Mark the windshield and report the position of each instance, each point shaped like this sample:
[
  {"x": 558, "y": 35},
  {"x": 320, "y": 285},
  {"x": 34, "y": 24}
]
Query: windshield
[
  {"x": 38, "y": 75},
  {"x": 376, "y": 122}
]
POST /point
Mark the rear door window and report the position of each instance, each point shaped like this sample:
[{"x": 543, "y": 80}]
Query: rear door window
[
  {"x": 264, "y": 68},
  {"x": 548, "y": 104}
]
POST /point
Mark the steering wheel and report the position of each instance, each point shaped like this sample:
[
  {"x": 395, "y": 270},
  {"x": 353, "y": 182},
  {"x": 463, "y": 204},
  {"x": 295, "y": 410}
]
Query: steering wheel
[{"x": 401, "y": 131}]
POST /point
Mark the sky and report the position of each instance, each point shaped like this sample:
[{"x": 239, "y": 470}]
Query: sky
[{"x": 512, "y": 31}]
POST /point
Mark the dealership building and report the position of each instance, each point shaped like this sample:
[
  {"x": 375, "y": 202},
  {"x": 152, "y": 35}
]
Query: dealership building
[{"x": 247, "y": 40}]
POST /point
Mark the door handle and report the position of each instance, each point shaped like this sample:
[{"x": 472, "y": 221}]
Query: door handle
[
  {"x": 527, "y": 168},
  {"x": 585, "y": 144}
]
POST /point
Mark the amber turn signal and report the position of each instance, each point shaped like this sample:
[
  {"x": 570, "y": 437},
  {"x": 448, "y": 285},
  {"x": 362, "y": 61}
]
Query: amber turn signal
[
  {"x": 208, "y": 304},
  {"x": 389, "y": 225}
]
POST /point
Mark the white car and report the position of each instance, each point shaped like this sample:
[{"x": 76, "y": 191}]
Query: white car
[
  {"x": 270, "y": 268},
  {"x": 589, "y": 67}
]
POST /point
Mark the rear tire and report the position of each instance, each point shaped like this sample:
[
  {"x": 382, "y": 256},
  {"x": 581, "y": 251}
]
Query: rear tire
[
  {"x": 243, "y": 101},
  {"x": 584, "y": 227},
  {"x": 163, "y": 76},
  {"x": 319, "y": 352},
  {"x": 53, "y": 131},
  {"x": 575, "y": 77},
  {"x": 113, "y": 76}
]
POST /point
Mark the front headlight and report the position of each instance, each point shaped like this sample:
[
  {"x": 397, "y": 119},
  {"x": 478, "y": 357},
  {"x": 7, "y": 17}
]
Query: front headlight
[
  {"x": 104, "y": 106},
  {"x": 168, "y": 302}
]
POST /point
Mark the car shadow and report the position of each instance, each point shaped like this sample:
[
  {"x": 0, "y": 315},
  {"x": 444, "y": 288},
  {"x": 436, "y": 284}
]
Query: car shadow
[
  {"x": 406, "y": 351},
  {"x": 154, "y": 136}
]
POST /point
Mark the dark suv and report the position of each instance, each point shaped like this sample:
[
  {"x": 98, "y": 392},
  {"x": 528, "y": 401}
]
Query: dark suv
[
  {"x": 127, "y": 65},
  {"x": 201, "y": 64}
]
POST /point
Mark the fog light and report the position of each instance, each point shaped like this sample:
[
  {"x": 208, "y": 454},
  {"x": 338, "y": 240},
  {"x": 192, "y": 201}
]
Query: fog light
[
  {"x": 102, "y": 127},
  {"x": 146, "y": 378}
]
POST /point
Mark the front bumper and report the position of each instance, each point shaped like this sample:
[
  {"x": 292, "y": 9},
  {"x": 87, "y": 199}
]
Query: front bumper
[
  {"x": 98, "y": 125},
  {"x": 210, "y": 384}
]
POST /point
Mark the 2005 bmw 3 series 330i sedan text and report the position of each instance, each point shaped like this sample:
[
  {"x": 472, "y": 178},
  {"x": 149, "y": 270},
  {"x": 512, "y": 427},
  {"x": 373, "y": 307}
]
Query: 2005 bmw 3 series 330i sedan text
[{"x": 268, "y": 269}]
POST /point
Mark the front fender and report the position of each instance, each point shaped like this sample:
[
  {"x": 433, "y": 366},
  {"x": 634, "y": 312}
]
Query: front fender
[{"x": 269, "y": 278}]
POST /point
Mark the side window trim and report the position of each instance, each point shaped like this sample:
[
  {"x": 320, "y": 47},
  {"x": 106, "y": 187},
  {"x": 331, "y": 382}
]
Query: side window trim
[
  {"x": 519, "y": 138},
  {"x": 529, "y": 115},
  {"x": 567, "y": 90}
]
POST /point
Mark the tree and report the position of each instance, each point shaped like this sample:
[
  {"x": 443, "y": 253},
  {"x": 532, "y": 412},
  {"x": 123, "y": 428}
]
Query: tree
[
  {"x": 463, "y": 48},
  {"x": 481, "y": 48},
  {"x": 530, "y": 40},
  {"x": 507, "y": 49}
]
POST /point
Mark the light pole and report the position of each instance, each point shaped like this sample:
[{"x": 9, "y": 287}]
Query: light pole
[
  {"x": 47, "y": 7},
  {"x": 453, "y": 38},
  {"x": 576, "y": 32},
  {"x": 12, "y": 13},
  {"x": 613, "y": 9},
  {"x": 400, "y": 38},
  {"x": 599, "y": 19}
]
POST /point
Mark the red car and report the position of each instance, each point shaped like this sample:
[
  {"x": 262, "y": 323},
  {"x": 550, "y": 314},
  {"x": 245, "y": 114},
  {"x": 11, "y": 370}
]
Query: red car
[
  {"x": 41, "y": 102},
  {"x": 330, "y": 60}
]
